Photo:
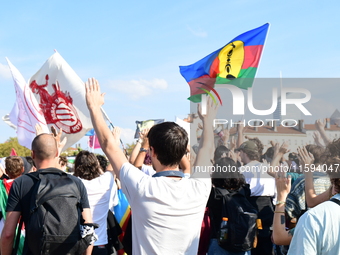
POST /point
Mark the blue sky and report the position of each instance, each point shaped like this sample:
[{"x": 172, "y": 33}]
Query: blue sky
[{"x": 134, "y": 48}]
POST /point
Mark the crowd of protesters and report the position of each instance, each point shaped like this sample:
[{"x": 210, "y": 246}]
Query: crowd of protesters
[{"x": 174, "y": 209}]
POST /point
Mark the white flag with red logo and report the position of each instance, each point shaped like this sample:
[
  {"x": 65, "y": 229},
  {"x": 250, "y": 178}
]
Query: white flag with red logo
[
  {"x": 61, "y": 96},
  {"x": 26, "y": 112}
]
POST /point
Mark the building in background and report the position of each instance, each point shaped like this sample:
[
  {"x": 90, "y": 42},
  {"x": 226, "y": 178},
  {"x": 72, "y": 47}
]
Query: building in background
[{"x": 292, "y": 112}]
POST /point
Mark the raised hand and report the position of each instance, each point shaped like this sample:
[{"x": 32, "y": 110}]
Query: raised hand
[
  {"x": 240, "y": 127},
  {"x": 320, "y": 124},
  {"x": 38, "y": 129},
  {"x": 116, "y": 134},
  {"x": 233, "y": 155},
  {"x": 232, "y": 143},
  {"x": 306, "y": 158},
  {"x": 211, "y": 111},
  {"x": 94, "y": 98},
  {"x": 224, "y": 134},
  {"x": 57, "y": 137},
  {"x": 283, "y": 186},
  {"x": 144, "y": 136},
  {"x": 317, "y": 139},
  {"x": 283, "y": 149}
]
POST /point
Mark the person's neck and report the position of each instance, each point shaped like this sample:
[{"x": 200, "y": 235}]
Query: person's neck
[
  {"x": 46, "y": 164},
  {"x": 162, "y": 168}
]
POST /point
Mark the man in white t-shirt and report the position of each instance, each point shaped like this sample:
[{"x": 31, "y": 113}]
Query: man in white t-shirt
[{"x": 167, "y": 209}]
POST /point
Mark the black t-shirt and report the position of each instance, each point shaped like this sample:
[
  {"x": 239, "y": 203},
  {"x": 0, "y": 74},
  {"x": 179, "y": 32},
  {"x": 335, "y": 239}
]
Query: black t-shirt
[{"x": 19, "y": 197}]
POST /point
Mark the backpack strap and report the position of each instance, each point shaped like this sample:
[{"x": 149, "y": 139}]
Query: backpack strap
[
  {"x": 222, "y": 193},
  {"x": 335, "y": 201}
]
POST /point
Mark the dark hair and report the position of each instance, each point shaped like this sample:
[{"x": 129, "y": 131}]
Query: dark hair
[
  {"x": 336, "y": 184},
  {"x": 102, "y": 162},
  {"x": 220, "y": 151},
  {"x": 169, "y": 141},
  {"x": 253, "y": 155},
  {"x": 317, "y": 151},
  {"x": 30, "y": 161},
  {"x": 333, "y": 170},
  {"x": 86, "y": 166},
  {"x": 269, "y": 153},
  {"x": 332, "y": 150},
  {"x": 63, "y": 160},
  {"x": 227, "y": 175},
  {"x": 14, "y": 166}
]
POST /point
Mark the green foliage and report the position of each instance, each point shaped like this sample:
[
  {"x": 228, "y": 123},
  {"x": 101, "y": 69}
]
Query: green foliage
[
  {"x": 71, "y": 152},
  {"x": 129, "y": 147},
  {"x": 12, "y": 142}
]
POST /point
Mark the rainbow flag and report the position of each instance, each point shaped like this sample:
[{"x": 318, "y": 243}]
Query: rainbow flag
[
  {"x": 235, "y": 63},
  {"x": 122, "y": 213}
]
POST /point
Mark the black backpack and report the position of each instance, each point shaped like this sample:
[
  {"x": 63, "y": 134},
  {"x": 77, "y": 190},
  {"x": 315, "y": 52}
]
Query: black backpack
[
  {"x": 242, "y": 218},
  {"x": 53, "y": 226}
]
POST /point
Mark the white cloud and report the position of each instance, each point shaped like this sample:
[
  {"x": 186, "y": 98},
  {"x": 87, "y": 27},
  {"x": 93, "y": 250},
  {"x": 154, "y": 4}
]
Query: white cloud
[
  {"x": 197, "y": 32},
  {"x": 138, "y": 88},
  {"x": 5, "y": 73},
  {"x": 127, "y": 135}
]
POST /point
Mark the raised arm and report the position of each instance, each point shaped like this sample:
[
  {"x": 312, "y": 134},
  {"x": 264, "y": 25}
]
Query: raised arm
[
  {"x": 279, "y": 151},
  {"x": 94, "y": 101},
  {"x": 207, "y": 144},
  {"x": 280, "y": 235},
  {"x": 306, "y": 160},
  {"x": 142, "y": 150},
  {"x": 240, "y": 130},
  {"x": 135, "y": 151},
  {"x": 138, "y": 145},
  {"x": 320, "y": 126},
  {"x": 224, "y": 137}
]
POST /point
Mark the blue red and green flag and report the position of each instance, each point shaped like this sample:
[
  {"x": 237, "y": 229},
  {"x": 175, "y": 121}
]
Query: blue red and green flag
[{"x": 235, "y": 63}]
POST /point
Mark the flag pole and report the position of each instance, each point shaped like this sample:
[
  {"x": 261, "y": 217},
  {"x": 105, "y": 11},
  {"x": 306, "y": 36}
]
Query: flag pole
[
  {"x": 93, "y": 141},
  {"x": 121, "y": 142}
]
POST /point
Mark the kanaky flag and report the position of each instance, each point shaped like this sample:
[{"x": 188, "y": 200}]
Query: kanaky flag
[
  {"x": 13, "y": 152},
  {"x": 123, "y": 214},
  {"x": 61, "y": 96},
  {"x": 26, "y": 112},
  {"x": 235, "y": 63}
]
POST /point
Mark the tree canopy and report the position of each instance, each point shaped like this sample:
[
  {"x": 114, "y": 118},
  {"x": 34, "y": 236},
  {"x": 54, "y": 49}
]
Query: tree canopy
[{"x": 12, "y": 142}]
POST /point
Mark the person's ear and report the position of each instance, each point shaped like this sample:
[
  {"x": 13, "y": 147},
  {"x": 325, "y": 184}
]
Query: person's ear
[
  {"x": 152, "y": 152},
  {"x": 23, "y": 170},
  {"x": 32, "y": 154}
]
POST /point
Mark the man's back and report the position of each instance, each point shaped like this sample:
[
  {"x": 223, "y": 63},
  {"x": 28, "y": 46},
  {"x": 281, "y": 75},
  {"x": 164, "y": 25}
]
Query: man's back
[
  {"x": 318, "y": 230},
  {"x": 167, "y": 213},
  {"x": 22, "y": 190}
]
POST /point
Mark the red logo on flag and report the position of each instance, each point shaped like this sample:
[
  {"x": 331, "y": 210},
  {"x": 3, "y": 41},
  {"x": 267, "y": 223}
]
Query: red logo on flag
[{"x": 58, "y": 108}]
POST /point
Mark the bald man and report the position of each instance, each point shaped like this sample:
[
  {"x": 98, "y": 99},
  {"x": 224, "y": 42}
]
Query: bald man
[{"x": 45, "y": 155}]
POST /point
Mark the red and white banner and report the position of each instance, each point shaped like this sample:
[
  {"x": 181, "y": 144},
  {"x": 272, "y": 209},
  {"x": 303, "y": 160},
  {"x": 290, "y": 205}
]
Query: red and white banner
[
  {"x": 26, "y": 112},
  {"x": 60, "y": 94}
]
